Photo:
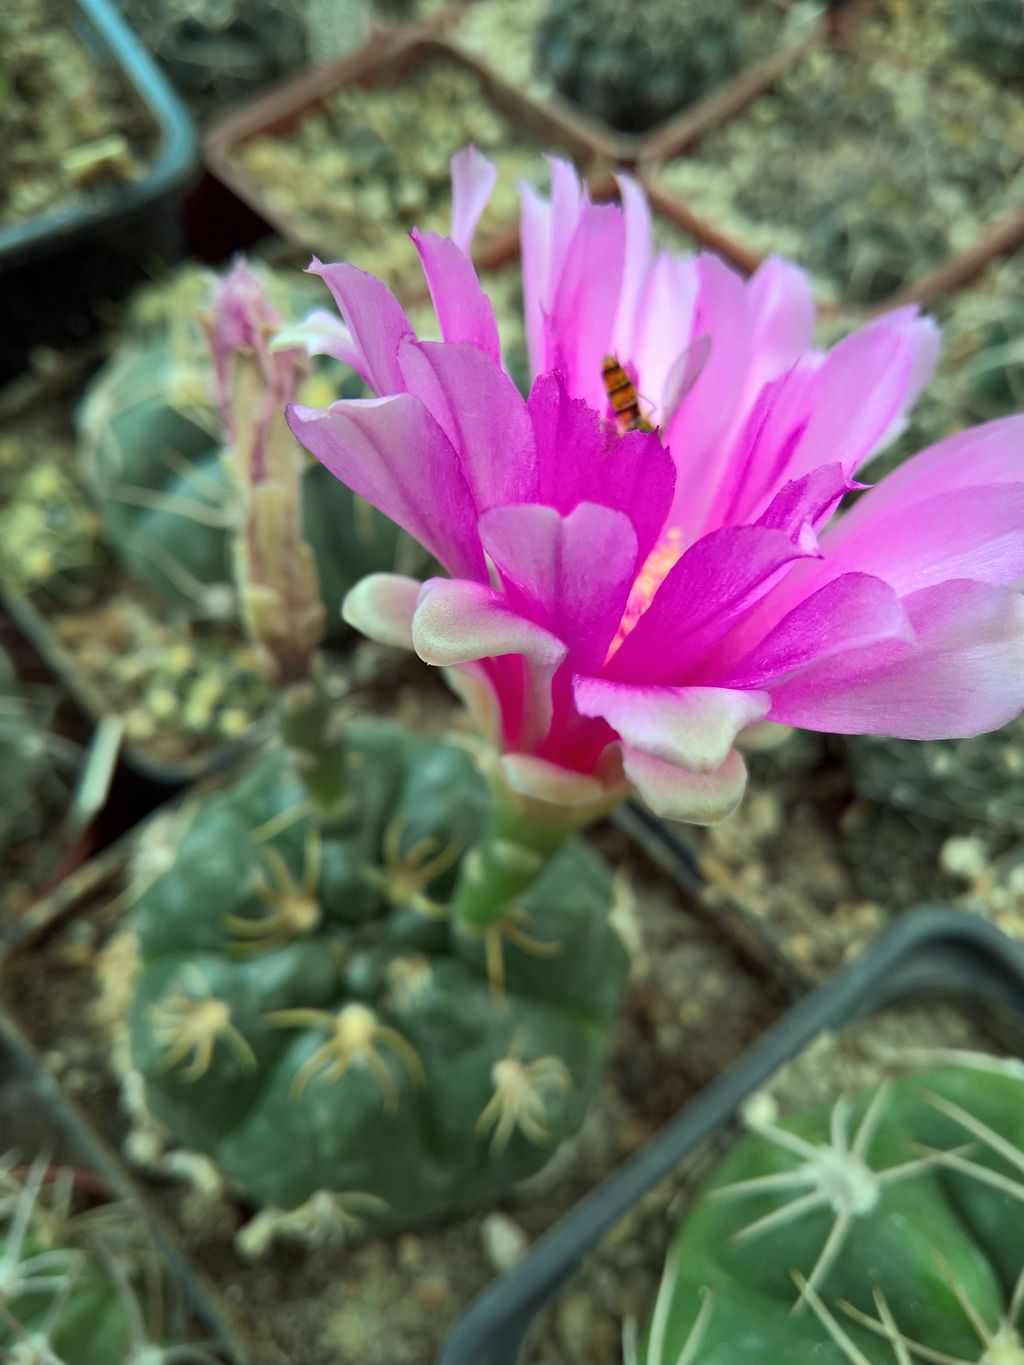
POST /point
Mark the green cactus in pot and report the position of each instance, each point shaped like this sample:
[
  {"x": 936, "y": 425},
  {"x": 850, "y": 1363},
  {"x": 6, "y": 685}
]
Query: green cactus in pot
[
  {"x": 79, "y": 1286},
  {"x": 634, "y": 65},
  {"x": 874, "y": 1231},
  {"x": 308, "y": 1011},
  {"x": 151, "y": 440},
  {"x": 991, "y": 32}
]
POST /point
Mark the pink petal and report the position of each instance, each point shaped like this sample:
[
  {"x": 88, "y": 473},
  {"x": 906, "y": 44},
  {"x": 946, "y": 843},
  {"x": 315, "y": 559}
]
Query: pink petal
[
  {"x": 481, "y": 412},
  {"x": 578, "y": 462},
  {"x": 546, "y": 229},
  {"x": 781, "y": 305},
  {"x": 460, "y": 622},
  {"x": 637, "y": 262},
  {"x": 710, "y": 587},
  {"x": 807, "y": 501},
  {"x": 968, "y": 533},
  {"x": 864, "y": 388},
  {"x": 678, "y": 794},
  {"x": 391, "y": 452},
  {"x": 849, "y": 613},
  {"x": 464, "y": 311},
  {"x": 697, "y": 432},
  {"x": 586, "y": 300},
  {"x": 664, "y": 328},
  {"x": 381, "y": 607},
  {"x": 964, "y": 675},
  {"x": 473, "y": 178},
  {"x": 691, "y": 727},
  {"x": 571, "y": 574},
  {"x": 989, "y": 454},
  {"x": 375, "y": 320}
]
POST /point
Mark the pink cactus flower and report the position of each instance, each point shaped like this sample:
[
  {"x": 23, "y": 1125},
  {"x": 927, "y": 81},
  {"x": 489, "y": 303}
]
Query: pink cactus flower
[{"x": 624, "y": 604}]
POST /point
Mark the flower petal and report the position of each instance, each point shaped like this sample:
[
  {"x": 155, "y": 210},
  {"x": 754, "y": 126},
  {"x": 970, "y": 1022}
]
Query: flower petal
[
  {"x": 637, "y": 261},
  {"x": 989, "y": 454},
  {"x": 578, "y": 462},
  {"x": 678, "y": 794},
  {"x": 586, "y": 300},
  {"x": 374, "y": 318},
  {"x": 546, "y": 229},
  {"x": 865, "y": 386},
  {"x": 571, "y": 574},
  {"x": 473, "y": 177},
  {"x": 391, "y": 452},
  {"x": 707, "y": 591},
  {"x": 381, "y": 607},
  {"x": 539, "y": 780},
  {"x": 691, "y": 727},
  {"x": 460, "y": 622},
  {"x": 963, "y": 676},
  {"x": 481, "y": 412},
  {"x": 320, "y": 333},
  {"x": 781, "y": 304},
  {"x": 464, "y": 311},
  {"x": 851, "y": 612},
  {"x": 970, "y": 533}
]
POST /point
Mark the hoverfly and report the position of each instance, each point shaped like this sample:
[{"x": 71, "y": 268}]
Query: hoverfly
[{"x": 622, "y": 396}]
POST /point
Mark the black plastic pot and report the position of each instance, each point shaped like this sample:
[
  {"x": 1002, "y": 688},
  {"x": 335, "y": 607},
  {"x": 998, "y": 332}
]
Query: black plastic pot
[
  {"x": 34, "y": 1117},
  {"x": 53, "y": 267},
  {"x": 927, "y": 954}
]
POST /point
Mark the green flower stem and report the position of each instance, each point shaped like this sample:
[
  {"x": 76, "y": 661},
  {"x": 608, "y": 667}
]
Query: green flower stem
[{"x": 521, "y": 837}]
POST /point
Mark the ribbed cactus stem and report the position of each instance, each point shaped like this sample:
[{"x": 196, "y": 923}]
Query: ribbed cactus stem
[{"x": 274, "y": 566}]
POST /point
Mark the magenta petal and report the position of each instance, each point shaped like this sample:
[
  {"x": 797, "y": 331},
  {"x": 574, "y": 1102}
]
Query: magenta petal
[
  {"x": 807, "y": 501},
  {"x": 391, "y": 452},
  {"x": 459, "y": 622},
  {"x": 968, "y": 533},
  {"x": 578, "y": 462},
  {"x": 637, "y": 261},
  {"x": 864, "y": 388},
  {"x": 851, "y": 612},
  {"x": 664, "y": 328},
  {"x": 707, "y": 591},
  {"x": 481, "y": 412},
  {"x": 781, "y": 306},
  {"x": 692, "y": 727},
  {"x": 989, "y": 454},
  {"x": 546, "y": 230},
  {"x": 571, "y": 574},
  {"x": 964, "y": 676},
  {"x": 375, "y": 319},
  {"x": 464, "y": 311},
  {"x": 586, "y": 299},
  {"x": 473, "y": 177},
  {"x": 677, "y": 794}
]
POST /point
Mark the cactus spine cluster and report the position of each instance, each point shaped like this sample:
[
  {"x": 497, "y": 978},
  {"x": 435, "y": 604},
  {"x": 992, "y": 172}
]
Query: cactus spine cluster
[
  {"x": 873, "y": 1232},
  {"x": 634, "y": 65}
]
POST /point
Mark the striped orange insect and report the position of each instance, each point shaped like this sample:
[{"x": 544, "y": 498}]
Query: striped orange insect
[{"x": 622, "y": 396}]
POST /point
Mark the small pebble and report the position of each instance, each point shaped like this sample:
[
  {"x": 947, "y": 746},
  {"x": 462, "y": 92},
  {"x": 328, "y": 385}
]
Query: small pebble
[{"x": 505, "y": 1242}]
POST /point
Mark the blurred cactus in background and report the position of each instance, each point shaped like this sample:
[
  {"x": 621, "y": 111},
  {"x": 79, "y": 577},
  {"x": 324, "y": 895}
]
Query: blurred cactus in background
[
  {"x": 634, "y": 65},
  {"x": 78, "y": 1288},
  {"x": 873, "y": 1232},
  {"x": 991, "y": 32},
  {"x": 152, "y": 440},
  {"x": 310, "y": 1015}
]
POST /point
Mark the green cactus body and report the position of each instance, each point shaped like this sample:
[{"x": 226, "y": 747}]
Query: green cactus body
[
  {"x": 633, "y": 65},
  {"x": 991, "y": 32},
  {"x": 71, "y": 1288},
  {"x": 871, "y": 1232},
  {"x": 308, "y": 1015},
  {"x": 151, "y": 441}
]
